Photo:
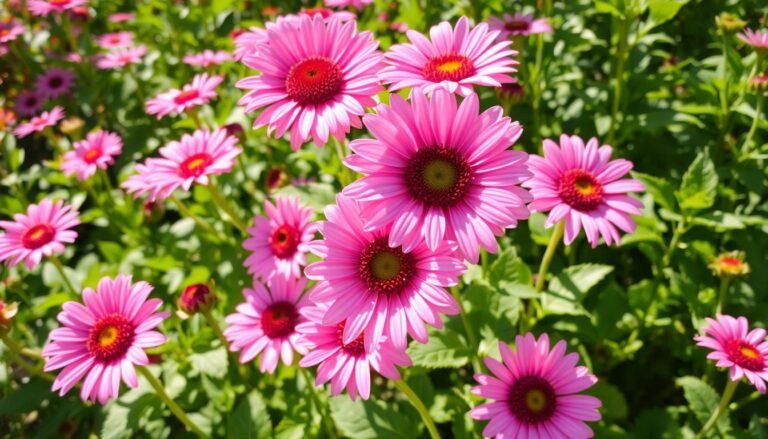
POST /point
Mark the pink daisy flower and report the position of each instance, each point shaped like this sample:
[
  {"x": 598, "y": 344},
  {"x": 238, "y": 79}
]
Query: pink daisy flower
[
  {"x": 266, "y": 323},
  {"x": 346, "y": 365},
  {"x": 104, "y": 339},
  {"x": 316, "y": 79},
  {"x": 376, "y": 287},
  {"x": 39, "y": 123},
  {"x": 43, "y": 231},
  {"x": 247, "y": 43},
  {"x": 45, "y": 7},
  {"x": 55, "y": 82},
  {"x": 115, "y": 40},
  {"x": 97, "y": 151},
  {"x": 358, "y": 4},
  {"x": 121, "y": 17},
  {"x": 29, "y": 102},
  {"x": 535, "y": 392},
  {"x": 207, "y": 58},
  {"x": 279, "y": 241},
  {"x": 325, "y": 13},
  {"x": 191, "y": 160},
  {"x": 119, "y": 58},
  {"x": 519, "y": 24},
  {"x": 757, "y": 39},
  {"x": 199, "y": 92},
  {"x": 733, "y": 346},
  {"x": 10, "y": 29},
  {"x": 456, "y": 59},
  {"x": 580, "y": 185},
  {"x": 437, "y": 170}
]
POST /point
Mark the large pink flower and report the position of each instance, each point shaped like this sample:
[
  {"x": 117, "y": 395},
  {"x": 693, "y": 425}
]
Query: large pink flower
[
  {"x": 580, "y": 185},
  {"x": 45, "y": 7},
  {"x": 378, "y": 288},
  {"x": 519, "y": 25},
  {"x": 734, "y": 346},
  {"x": 39, "y": 123},
  {"x": 316, "y": 78},
  {"x": 104, "y": 339},
  {"x": 247, "y": 42},
  {"x": 122, "y": 57},
  {"x": 535, "y": 393},
  {"x": 97, "y": 151},
  {"x": 456, "y": 59},
  {"x": 199, "y": 92},
  {"x": 436, "y": 171}
]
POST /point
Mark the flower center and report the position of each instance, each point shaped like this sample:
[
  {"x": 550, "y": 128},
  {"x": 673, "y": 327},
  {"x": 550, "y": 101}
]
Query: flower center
[
  {"x": 284, "y": 241},
  {"x": 386, "y": 270},
  {"x": 324, "y": 12},
  {"x": 58, "y": 2},
  {"x": 279, "y": 320},
  {"x": 37, "y": 236},
  {"x": 314, "y": 80},
  {"x": 55, "y": 82},
  {"x": 31, "y": 101},
  {"x": 186, "y": 96},
  {"x": 517, "y": 26},
  {"x": 745, "y": 355},
  {"x": 5, "y": 32},
  {"x": 114, "y": 39},
  {"x": 532, "y": 400},
  {"x": 355, "y": 347},
  {"x": 92, "y": 155},
  {"x": 731, "y": 262},
  {"x": 195, "y": 165},
  {"x": 580, "y": 190},
  {"x": 110, "y": 338},
  {"x": 451, "y": 67},
  {"x": 438, "y": 176}
]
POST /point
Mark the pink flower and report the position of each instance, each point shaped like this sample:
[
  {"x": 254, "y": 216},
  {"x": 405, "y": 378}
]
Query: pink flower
[
  {"x": 325, "y": 13},
  {"x": 104, "y": 339},
  {"x": 192, "y": 160},
  {"x": 376, "y": 287},
  {"x": 121, "y": 17},
  {"x": 247, "y": 43},
  {"x": 744, "y": 353},
  {"x": 580, "y": 185},
  {"x": 29, "y": 102},
  {"x": 266, "y": 323},
  {"x": 115, "y": 40},
  {"x": 519, "y": 24},
  {"x": 207, "y": 58},
  {"x": 456, "y": 59},
  {"x": 346, "y": 365},
  {"x": 199, "y": 92},
  {"x": 97, "y": 151},
  {"x": 358, "y": 4},
  {"x": 437, "y": 170},
  {"x": 45, "y": 7},
  {"x": 55, "y": 82},
  {"x": 316, "y": 79},
  {"x": 535, "y": 392},
  {"x": 278, "y": 242},
  {"x": 43, "y": 231},
  {"x": 757, "y": 39},
  {"x": 10, "y": 29},
  {"x": 39, "y": 123},
  {"x": 120, "y": 58}
]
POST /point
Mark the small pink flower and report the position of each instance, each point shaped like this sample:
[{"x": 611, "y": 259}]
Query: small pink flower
[
  {"x": 581, "y": 185},
  {"x": 55, "y": 82},
  {"x": 518, "y": 25},
  {"x": 29, "y": 102},
  {"x": 199, "y": 92},
  {"x": 120, "y": 58},
  {"x": 536, "y": 392},
  {"x": 743, "y": 352},
  {"x": 121, "y": 17},
  {"x": 10, "y": 29},
  {"x": 346, "y": 365},
  {"x": 97, "y": 151},
  {"x": 357, "y": 4},
  {"x": 115, "y": 40},
  {"x": 191, "y": 160},
  {"x": 207, "y": 58},
  {"x": 43, "y": 231},
  {"x": 757, "y": 39},
  {"x": 104, "y": 339},
  {"x": 39, "y": 123},
  {"x": 45, "y": 7}
]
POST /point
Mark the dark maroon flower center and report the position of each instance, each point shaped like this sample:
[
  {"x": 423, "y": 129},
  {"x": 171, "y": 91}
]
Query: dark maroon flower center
[
  {"x": 438, "y": 176},
  {"x": 56, "y": 82},
  {"x": 324, "y": 12},
  {"x": 284, "y": 241},
  {"x": 279, "y": 320},
  {"x": 186, "y": 96},
  {"x": 386, "y": 270},
  {"x": 31, "y": 101},
  {"x": 532, "y": 400},
  {"x": 195, "y": 165},
  {"x": 110, "y": 338},
  {"x": 745, "y": 355},
  {"x": 581, "y": 190},
  {"x": 355, "y": 347},
  {"x": 517, "y": 26},
  {"x": 37, "y": 236},
  {"x": 314, "y": 80},
  {"x": 451, "y": 67},
  {"x": 92, "y": 155}
]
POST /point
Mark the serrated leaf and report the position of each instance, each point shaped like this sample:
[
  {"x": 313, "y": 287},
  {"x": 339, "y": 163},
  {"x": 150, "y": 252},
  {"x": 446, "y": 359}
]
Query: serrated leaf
[
  {"x": 445, "y": 349},
  {"x": 662, "y": 191},
  {"x": 699, "y": 185},
  {"x": 370, "y": 419},
  {"x": 703, "y": 400},
  {"x": 212, "y": 363},
  {"x": 250, "y": 418},
  {"x": 508, "y": 267},
  {"x": 568, "y": 289}
]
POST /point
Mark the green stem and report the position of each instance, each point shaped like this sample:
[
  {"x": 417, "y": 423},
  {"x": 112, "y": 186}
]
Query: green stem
[
  {"x": 724, "y": 282},
  {"x": 214, "y": 325},
  {"x": 18, "y": 353},
  {"x": 730, "y": 388},
  {"x": 554, "y": 241},
  {"x": 468, "y": 329},
  {"x": 745, "y": 148},
  {"x": 618, "y": 77},
  {"x": 419, "y": 406},
  {"x": 139, "y": 86},
  {"x": 724, "y": 89},
  {"x": 175, "y": 409},
  {"x": 185, "y": 211},
  {"x": 192, "y": 112},
  {"x": 220, "y": 201},
  {"x": 60, "y": 267},
  {"x": 322, "y": 409},
  {"x": 676, "y": 235}
]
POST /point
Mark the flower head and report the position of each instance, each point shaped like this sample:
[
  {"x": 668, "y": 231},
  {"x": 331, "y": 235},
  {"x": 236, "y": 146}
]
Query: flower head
[
  {"x": 10, "y": 29},
  {"x": 581, "y": 185},
  {"x": 115, "y": 40},
  {"x": 7, "y": 119},
  {"x": 195, "y": 298},
  {"x": 247, "y": 42},
  {"x": 39, "y": 123},
  {"x": 97, "y": 151},
  {"x": 45, "y": 7},
  {"x": 536, "y": 392},
  {"x": 29, "y": 102},
  {"x": 729, "y": 23},
  {"x": 519, "y": 25},
  {"x": 759, "y": 82},
  {"x": 7, "y": 312},
  {"x": 758, "y": 40},
  {"x": 207, "y": 58},
  {"x": 121, "y": 17},
  {"x": 199, "y": 92},
  {"x": 55, "y": 82},
  {"x": 122, "y": 57},
  {"x": 357, "y": 4},
  {"x": 104, "y": 339}
]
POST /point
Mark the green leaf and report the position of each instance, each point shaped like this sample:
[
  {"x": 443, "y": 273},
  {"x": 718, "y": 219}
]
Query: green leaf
[
  {"x": 614, "y": 404},
  {"x": 212, "y": 363},
  {"x": 699, "y": 185},
  {"x": 664, "y": 10},
  {"x": 508, "y": 267},
  {"x": 703, "y": 400},
  {"x": 569, "y": 288},
  {"x": 662, "y": 191},
  {"x": 26, "y": 398},
  {"x": 444, "y": 350},
  {"x": 250, "y": 418},
  {"x": 370, "y": 419}
]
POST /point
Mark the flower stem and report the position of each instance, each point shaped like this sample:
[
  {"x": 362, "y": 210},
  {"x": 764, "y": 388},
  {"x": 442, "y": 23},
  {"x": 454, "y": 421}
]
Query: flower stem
[
  {"x": 419, "y": 406},
  {"x": 330, "y": 429},
  {"x": 745, "y": 148},
  {"x": 730, "y": 388},
  {"x": 618, "y": 77},
  {"x": 468, "y": 329},
  {"x": 18, "y": 353},
  {"x": 175, "y": 409},
  {"x": 214, "y": 325},
  {"x": 192, "y": 112},
  {"x": 185, "y": 211},
  {"x": 676, "y": 235},
  {"x": 554, "y": 240},
  {"x": 724, "y": 283},
  {"x": 220, "y": 201},
  {"x": 60, "y": 267}
]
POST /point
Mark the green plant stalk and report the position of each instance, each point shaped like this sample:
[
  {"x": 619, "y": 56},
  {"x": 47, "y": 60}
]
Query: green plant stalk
[
  {"x": 680, "y": 229},
  {"x": 621, "y": 55},
  {"x": 221, "y": 202},
  {"x": 139, "y": 86},
  {"x": 724, "y": 283},
  {"x": 322, "y": 409},
  {"x": 18, "y": 353},
  {"x": 192, "y": 112},
  {"x": 468, "y": 329},
  {"x": 206, "y": 312},
  {"x": 60, "y": 267},
  {"x": 536, "y": 89},
  {"x": 188, "y": 213},
  {"x": 747, "y": 146},
  {"x": 724, "y": 111},
  {"x": 730, "y": 388},
  {"x": 419, "y": 406},
  {"x": 175, "y": 409},
  {"x": 549, "y": 253}
]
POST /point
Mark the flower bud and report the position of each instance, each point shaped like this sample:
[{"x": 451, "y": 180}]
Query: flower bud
[
  {"x": 7, "y": 311},
  {"x": 72, "y": 126},
  {"x": 511, "y": 94},
  {"x": 729, "y": 23},
  {"x": 196, "y": 298},
  {"x": 730, "y": 264},
  {"x": 759, "y": 83}
]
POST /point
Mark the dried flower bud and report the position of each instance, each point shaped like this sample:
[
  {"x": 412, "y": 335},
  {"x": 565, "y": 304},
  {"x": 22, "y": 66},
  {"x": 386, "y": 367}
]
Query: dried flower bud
[
  {"x": 196, "y": 298},
  {"x": 730, "y": 264},
  {"x": 7, "y": 311},
  {"x": 759, "y": 83},
  {"x": 153, "y": 212},
  {"x": 276, "y": 178},
  {"x": 235, "y": 130}
]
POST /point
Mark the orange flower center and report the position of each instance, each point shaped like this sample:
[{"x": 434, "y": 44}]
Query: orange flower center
[
  {"x": 92, "y": 155},
  {"x": 110, "y": 337},
  {"x": 451, "y": 67}
]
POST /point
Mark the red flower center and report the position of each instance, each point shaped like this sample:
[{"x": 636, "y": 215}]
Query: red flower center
[
  {"x": 731, "y": 262},
  {"x": 279, "y": 320},
  {"x": 451, "y": 67},
  {"x": 31, "y": 101},
  {"x": 110, "y": 338},
  {"x": 37, "y": 236},
  {"x": 438, "y": 176},
  {"x": 517, "y": 26},
  {"x": 186, "y": 96},
  {"x": 284, "y": 241},
  {"x": 745, "y": 355},
  {"x": 92, "y": 155},
  {"x": 581, "y": 190},
  {"x": 195, "y": 165},
  {"x": 58, "y": 2},
  {"x": 114, "y": 39},
  {"x": 386, "y": 270},
  {"x": 532, "y": 400},
  {"x": 355, "y": 347},
  {"x": 324, "y": 12},
  {"x": 314, "y": 80}
]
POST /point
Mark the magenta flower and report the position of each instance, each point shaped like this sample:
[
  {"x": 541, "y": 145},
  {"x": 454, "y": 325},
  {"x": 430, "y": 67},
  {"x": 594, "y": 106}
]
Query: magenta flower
[
  {"x": 104, "y": 339},
  {"x": 97, "y": 151},
  {"x": 207, "y": 58},
  {"x": 121, "y": 17},
  {"x": 437, "y": 170},
  {"x": 45, "y": 7},
  {"x": 744, "y": 353},
  {"x": 325, "y": 13},
  {"x": 115, "y": 40},
  {"x": 279, "y": 241},
  {"x": 357, "y": 4},
  {"x": 456, "y": 59},
  {"x": 39, "y": 123},
  {"x": 266, "y": 323},
  {"x": 199, "y": 92},
  {"x": 247, "y": 43},
  {"x": 535, "y": 392},
  {"x": 758, "y": 40},
  {"x": 55, "y": 82},
  {"x": 376, "y": 287},
  {"x": 316, "y": 79},
  {"x": 43, "y": 231},
  {"x": 10, "y": 29},
  {"x": 519, "y": 25},
  {"x": 580, "y": 185},
  {"x": 119, "y": 58},
  {"x": 346, "y": 365},
  {"x": 29, "y": 102},
  {"x": 191, "y": 160}
]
